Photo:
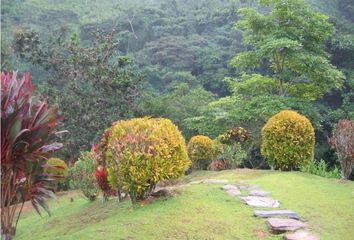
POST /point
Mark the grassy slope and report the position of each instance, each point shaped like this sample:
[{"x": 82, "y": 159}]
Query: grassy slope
[{"x": 200, "y": 211}]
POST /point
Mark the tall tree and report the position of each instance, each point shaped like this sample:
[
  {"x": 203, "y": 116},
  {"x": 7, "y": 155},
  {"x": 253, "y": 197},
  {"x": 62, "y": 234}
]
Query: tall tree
[
  {"x": 288, "y": 42},
  {"x": 93, "y": 84}
]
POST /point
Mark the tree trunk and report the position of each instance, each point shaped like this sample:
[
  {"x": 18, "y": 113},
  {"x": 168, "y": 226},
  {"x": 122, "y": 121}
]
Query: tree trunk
[{"x": 282, "y": 91}]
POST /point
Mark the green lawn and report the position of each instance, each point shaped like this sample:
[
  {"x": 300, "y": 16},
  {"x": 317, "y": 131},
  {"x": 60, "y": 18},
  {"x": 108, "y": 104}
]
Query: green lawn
[{"x": 200, "y": 211}]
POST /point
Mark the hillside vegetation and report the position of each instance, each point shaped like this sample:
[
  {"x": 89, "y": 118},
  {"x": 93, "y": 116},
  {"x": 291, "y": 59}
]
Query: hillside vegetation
[
  {"x": 179, "y": 56},
  {"x": 112, "y": 99}
]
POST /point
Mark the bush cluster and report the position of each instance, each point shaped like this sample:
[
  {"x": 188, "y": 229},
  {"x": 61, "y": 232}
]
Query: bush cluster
[
  {"x": 234, "y": 155},
  {"x": 237, "y": 135},
  {"x": 288, "y": 140},
  {"x": 82, "y": 176},
  {"x": 201, "y": 151},
  {"x": 234, "y": 143},
  {"x": 143, "y": 151}
]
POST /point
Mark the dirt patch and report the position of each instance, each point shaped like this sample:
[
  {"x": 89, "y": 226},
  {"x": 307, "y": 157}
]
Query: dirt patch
[
  {"x": 261, "y": 234},
  {"x": 160, "y": 194},
  {"x": 169, "y": 182},
  {"x": 26, "y": 207}
]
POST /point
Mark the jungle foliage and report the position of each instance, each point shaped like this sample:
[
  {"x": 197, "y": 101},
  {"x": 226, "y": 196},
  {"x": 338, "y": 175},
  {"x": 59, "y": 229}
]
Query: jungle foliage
[{"x": 209, "y": 66}]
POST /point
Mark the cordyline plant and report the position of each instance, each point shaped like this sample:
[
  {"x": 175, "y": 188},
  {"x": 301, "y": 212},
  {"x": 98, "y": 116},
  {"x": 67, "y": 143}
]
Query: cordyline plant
[
  {"x": 342, "y": 141},
  {"x": 27, "y": 127}
]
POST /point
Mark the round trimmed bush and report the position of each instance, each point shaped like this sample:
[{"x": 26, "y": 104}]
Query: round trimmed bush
[
  {"x": 288, "y": 140},
  {"x": 143, "y": 151},
  {"x": 59, "y": 169},
  {"x": 201, "y": 151}
]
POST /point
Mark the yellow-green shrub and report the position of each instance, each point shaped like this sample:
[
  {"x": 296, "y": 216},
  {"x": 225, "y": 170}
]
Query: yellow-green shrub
[
  {"x": 58, "y": 169},
  {"x": 144, "y": 151},
  {"x": 201, "y": 151},
  {"x": 288, "y": 140},
  {"x": 237, "y": 135}
]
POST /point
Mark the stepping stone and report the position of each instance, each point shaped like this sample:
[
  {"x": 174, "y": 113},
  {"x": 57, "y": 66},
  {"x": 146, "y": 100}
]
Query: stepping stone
[
  {"x": 215, "y": 181},
  {"x": 260, "y": 193},
  {"x": 279, "y": 225},
  {"x": 255, "y": 201},
  {"x": 242, "y": 187},
  {"x": 301, "y": 235},
  {"x": 234, "y": 192},
  {"x": 276, "y": 213},
  {"x": 229, "y": 187}
]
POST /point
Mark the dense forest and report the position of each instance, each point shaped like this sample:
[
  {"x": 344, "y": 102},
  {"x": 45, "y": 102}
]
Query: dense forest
[{"x": 202, "y": 64}]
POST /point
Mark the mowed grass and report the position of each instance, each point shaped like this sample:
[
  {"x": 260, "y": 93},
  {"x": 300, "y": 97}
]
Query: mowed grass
[{"x": 200, "y": 211}]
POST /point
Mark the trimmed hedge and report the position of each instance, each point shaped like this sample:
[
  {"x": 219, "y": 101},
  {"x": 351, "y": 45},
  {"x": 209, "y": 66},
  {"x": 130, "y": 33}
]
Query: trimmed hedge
[
  {"x": 143, "y": 151},
  {"x": 201, "y": 151},
  {"x": 288, "y": 140}
]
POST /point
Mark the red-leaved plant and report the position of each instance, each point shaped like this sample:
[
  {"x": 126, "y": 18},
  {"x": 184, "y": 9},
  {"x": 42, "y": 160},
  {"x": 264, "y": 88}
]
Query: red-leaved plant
[
  {"x": 99, "y": 152},
  {"x": 342, "y": 141},
  {"x": 101, "y": 175},
  {"x": 27, "y": 127}
]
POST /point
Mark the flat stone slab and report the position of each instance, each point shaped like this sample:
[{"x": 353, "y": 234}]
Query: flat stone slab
[
  {"x": 229, "y": 187},
  {"x": 279, "y": 225},
  {"x": 234, "y": 192},
  {"x": 215, "y": 181},
  {"x": 243, "y": 187},
  {"x": 255, "y": 201},
  {"x": 260, "y": 193},
  {"x": 301, "y": 235},
  {"x": 276, "y": 213}
]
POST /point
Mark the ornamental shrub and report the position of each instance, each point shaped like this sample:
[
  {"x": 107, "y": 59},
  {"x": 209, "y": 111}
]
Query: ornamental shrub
[
  {"x": 58, "y": 169},
  {"x": 28, "y": 128},
  {"x": 99, "y": 150},
  {"x": 201, "y": 151},
  {"x": 143, "y": 151},
  {"x": 101, "y": 175},
  {"x": 343, "y": 142},
  {"x": 232, "y": 155},
  {"x": 237, "y": 135},
  {"x": 82, "y": 176},
  {"x": 288, "y": 140}
]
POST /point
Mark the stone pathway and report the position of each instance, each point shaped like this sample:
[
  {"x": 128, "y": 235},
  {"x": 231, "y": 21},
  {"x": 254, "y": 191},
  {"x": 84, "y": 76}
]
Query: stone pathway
[
  {"x": 234, "y": 192},
  {"x": 280, "y": 225},
  {"x": 229, "y": 187},
  {"x": 276, "y": 213},
  {"x": 255, "y": 201},
  {"x": 302, "y": 234},
  {"x": 278, "y": 221},
  {"x": 260, "y": 193}
]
